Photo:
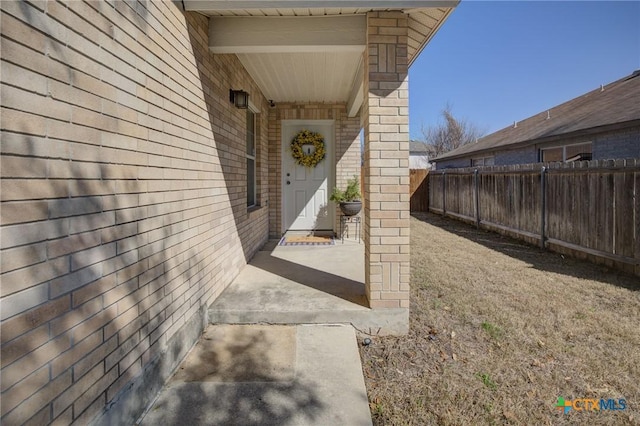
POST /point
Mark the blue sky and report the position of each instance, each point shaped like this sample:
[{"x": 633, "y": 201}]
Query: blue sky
[{"x": 496, "y": 62}]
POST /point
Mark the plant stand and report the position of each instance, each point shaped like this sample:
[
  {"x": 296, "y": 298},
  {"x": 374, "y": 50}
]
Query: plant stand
[{"x": 345, "y": 221}]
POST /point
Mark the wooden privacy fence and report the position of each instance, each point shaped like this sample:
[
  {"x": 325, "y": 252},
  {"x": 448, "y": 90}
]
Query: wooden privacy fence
[
  {"x": 588, "y": 209},
  {"x": 419, "y": 190}
]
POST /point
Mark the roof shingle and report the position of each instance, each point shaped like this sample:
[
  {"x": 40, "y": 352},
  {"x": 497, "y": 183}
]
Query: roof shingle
[{"x": 614, "y": 103}]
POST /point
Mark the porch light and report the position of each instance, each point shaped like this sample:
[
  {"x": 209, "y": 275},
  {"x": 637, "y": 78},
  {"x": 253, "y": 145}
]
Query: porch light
[{"x": 239, "y": 98}]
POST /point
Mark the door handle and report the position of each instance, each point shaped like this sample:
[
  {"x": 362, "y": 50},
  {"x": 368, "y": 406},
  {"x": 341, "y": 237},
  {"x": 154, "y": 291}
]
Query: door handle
[{"x": 288, "y": 183}]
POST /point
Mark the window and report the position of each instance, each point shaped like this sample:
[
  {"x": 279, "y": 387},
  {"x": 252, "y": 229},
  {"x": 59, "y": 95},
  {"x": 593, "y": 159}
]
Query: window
[
  {"x": 567, "y": 153},
  {"x": 251, "y": 159},
  {"x": 482, "y": 161}
]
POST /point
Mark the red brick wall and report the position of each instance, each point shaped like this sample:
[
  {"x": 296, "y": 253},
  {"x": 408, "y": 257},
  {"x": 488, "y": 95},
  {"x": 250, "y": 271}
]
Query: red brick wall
[{"x": 123, "y": 195}]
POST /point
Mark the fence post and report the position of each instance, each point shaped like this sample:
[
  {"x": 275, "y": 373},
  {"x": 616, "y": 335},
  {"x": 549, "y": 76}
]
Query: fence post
[
  {"x": 543, "y": 203},
  {"x": 477, "y": 197},
  {"x": 444, "y": 187}
]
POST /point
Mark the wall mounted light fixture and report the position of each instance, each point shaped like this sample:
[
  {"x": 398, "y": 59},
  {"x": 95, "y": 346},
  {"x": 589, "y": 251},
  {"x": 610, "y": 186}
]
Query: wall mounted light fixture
[{"x": 239, "y": 98}]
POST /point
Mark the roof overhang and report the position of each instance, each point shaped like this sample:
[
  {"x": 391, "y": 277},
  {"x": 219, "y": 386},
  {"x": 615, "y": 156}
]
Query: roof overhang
[{"x": 310, "y": 51}]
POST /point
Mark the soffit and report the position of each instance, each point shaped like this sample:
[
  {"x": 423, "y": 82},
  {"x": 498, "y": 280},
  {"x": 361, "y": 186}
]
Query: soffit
[{"x": 322, "y": 76}]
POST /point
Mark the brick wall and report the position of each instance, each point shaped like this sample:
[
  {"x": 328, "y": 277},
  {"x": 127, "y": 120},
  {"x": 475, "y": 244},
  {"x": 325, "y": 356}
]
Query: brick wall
[
  {"x": 386, "y": 121},
  {"x": 453, "y": 163},
  {"x": 347, "y": 153},
  {"x": 524, "y": 155},
  {"x": 123, "y": 199},
  {"x": 618, "y": 144}
]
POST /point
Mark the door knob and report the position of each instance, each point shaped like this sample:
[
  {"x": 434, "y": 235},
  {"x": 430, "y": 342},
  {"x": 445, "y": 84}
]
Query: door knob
[{"x": 288, "y": 183}]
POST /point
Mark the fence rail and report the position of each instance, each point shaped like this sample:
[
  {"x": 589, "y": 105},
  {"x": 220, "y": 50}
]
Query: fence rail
[{"x": 588, "y": 209}]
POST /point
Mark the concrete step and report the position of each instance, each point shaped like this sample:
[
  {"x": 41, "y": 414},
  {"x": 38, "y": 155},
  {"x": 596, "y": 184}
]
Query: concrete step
[{"x": 267, "y": 375}]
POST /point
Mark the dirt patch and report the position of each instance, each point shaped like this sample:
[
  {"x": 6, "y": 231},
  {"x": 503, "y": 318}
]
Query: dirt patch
[{"x": 500, "y": 330}]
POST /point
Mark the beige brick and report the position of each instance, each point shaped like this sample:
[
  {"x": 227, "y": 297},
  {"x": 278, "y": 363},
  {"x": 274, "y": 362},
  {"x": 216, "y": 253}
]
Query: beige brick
[
  {"x": 92, "y": 256},
  {"x": 21, "y": 122},
  {"x": 394, "y": 295},
  {"x": 64, "y": 92},
  {"x": 30, "y": 189},
  {"x": 19, "y": 296},
  {"x": 64, "y": 362},
  {"x": 17, "y": 30},
  {"x": 22, "y": 167},
  {"x": 93, "y": 290},
  {"x": 75, "y": 317},
  {"x": 22, "y": 256},
  {"x": 123, "y": 349},
  {"x": 30, "y": 385},
  {"x": 384, "y": 303},
  {"x": 66, "y": 398},
  {"x": 26, "y": 343},
  {"x": 90, "y": 412},
  {"x": 176, "y": 133},
  {"x": 95, "y": 393},
  {"x": 63, "y": 419},
  {"x": 34, "y": 103},
  {"x": 72, "y": 244},
  {"x": 74, "y": 280},
  {"x": 33, "y": 318},
  {"x": 33, "y": 361},
  {"x": 91, "y": 222},
  {"x": 33, "y": 404},
  {"x": 94, "y": 357}
]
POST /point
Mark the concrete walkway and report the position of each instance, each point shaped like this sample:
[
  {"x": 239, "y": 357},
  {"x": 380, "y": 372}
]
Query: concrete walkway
[
  {"x": 305, "y": 285},
  {"x": 267, "y": 375}
]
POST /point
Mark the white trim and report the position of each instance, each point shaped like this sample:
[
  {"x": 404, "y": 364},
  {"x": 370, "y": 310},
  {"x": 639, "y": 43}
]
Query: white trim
[
  {"x": 286, "y": 34},
  {"x": 356, "y": 97},
  {"x": 254, "y": 109},
  {"x": 216, "y": 5}
]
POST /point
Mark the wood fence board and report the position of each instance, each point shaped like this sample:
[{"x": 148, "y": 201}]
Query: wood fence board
[
  {"x": 594, "y": 205},
  {"x": 623, "y": 186},
  {"x": 636, "y": 227},
  {"x": 419, "y": 190}
]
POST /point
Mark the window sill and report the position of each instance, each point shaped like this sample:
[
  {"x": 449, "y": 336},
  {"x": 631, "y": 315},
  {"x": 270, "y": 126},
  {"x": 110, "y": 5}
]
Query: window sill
[{"x": 253, "y": 209}]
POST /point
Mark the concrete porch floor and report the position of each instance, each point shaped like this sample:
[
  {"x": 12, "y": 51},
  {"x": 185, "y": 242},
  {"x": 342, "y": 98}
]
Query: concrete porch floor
[{"x": 305, "y": 285}]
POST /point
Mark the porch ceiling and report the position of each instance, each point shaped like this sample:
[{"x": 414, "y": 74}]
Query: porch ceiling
[{"x": 310, "y": 60}]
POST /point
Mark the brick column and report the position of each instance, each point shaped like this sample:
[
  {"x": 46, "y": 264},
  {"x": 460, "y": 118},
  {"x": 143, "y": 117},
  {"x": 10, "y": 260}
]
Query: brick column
[{"x": 385, "y": 117}]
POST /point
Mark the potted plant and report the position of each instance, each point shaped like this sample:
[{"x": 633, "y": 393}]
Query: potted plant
[{"x": 350, "y": 199}]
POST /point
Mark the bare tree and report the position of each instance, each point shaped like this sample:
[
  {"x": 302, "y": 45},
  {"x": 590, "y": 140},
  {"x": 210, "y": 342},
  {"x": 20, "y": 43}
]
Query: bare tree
[{"x": 450, "y": 134}]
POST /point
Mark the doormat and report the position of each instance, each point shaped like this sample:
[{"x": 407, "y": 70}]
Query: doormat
[{"x": 304, "y": 240}]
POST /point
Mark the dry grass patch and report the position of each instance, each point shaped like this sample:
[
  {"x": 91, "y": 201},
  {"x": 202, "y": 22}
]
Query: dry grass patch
[{"x": 500, "y": 330}]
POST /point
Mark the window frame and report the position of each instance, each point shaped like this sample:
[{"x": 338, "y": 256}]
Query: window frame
[
  {"x": 251, "y": 112},
  {"x": 482, "y": 161},
  {"x": 564, "y": 150}
]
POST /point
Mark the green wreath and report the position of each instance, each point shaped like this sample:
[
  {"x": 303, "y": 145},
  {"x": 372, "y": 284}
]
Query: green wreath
[{"x": 306, "y": 137}]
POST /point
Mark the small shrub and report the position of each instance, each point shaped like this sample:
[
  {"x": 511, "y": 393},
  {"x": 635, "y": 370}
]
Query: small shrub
[{"x": 351, "y": 193}]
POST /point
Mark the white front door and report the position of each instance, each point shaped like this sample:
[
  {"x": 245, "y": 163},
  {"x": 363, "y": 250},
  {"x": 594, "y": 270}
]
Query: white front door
[{"x": 305, "y": 191}]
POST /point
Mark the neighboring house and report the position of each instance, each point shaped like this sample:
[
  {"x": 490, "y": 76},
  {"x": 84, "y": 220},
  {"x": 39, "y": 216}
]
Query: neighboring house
[
  {"x": 419, "y": 155},
  {"x": 136, "y": 184},
  {"x": 602, "y": 124}
]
